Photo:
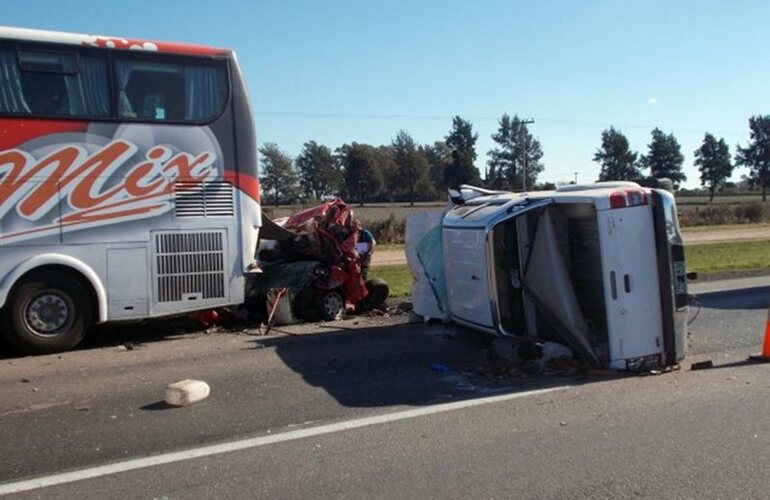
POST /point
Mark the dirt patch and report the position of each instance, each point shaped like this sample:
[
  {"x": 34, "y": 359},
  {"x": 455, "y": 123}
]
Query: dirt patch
[
  {"x": 718, "y": 235},
  {"x": 388, "y": 257}
]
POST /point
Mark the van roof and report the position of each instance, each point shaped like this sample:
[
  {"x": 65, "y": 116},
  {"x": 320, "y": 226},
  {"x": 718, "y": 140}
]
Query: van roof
[
  {"x": 479, "y": 211},
  {"x": 596, "y": 192},
  {"x": 108, "y": 42}
]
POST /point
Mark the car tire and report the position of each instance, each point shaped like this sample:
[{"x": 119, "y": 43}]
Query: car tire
[
  {"x": 47, "y": 312},
  {"x": 379, "y": 290},
  {"x": 332, "y": 305}
]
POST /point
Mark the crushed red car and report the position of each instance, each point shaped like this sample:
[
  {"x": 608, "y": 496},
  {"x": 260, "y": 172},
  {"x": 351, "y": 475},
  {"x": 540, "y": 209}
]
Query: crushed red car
[{"x": 316, "y": 262}]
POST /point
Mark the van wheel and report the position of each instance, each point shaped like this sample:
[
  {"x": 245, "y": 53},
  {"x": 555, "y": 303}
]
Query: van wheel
[{"x": 47, "y": 312}]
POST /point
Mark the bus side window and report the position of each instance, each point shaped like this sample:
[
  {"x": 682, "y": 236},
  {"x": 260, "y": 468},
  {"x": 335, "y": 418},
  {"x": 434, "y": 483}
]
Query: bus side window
[
  {"x": 150, "y": 91},
  {"x": 45, "y": 93},
  {"x": 53, "y": 83},
  {"x": 165, "y": 91}
]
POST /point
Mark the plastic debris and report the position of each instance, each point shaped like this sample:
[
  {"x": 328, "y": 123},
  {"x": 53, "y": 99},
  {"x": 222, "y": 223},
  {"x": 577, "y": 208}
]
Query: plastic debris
[
  {"x": 438, "y": 367},
  {"x": 207, "y": 318},
  {"x": 186, "y": 392}
]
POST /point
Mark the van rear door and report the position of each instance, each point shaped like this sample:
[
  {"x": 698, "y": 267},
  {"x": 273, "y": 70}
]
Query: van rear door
[{"x": 631, "y": 286}]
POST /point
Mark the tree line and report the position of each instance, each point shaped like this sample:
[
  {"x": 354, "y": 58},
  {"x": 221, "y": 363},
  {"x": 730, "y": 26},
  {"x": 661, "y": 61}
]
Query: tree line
[
  {"x": 406, "y": 171},
  {"x": 665, "y": 158}
]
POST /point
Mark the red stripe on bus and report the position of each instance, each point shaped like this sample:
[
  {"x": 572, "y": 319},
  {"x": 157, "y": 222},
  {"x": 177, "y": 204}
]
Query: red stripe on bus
[
  {"x": 244, "y": 182},
  {"x": 15, "y": 131},
  {"x": 186, "y": 48}
]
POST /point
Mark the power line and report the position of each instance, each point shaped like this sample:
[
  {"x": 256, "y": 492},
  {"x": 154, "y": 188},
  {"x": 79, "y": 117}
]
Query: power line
[{"x": 482, "y": 118}]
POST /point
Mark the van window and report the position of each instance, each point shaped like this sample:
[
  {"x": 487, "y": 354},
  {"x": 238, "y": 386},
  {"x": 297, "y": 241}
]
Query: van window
[
  {"x": 53, "y": 83},
  {"x": 160, "y": 91}
]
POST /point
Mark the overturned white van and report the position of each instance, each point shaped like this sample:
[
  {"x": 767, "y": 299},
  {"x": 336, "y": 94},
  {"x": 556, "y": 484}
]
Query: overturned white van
[{"x": 599, "y": 267}]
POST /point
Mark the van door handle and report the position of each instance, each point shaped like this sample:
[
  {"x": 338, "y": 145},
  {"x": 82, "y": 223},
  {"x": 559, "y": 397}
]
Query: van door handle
[
  {"x": 613, "y": 286},
  {"x": 474, "y": 277},
  {"x": 627, "y": 283}
]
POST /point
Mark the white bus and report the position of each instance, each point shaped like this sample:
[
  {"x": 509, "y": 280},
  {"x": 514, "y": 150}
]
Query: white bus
[{"x": 128, "y": 183}]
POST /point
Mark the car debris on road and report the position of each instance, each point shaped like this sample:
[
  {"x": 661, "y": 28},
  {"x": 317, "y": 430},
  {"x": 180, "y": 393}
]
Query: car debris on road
[{"x": 312, "y": 266}]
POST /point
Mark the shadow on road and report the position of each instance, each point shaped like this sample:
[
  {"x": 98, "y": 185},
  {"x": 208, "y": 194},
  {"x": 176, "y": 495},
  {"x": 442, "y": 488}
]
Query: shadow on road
[
  {"x": 399, "y": 365},
  {"x": 158, "y": 406},
  {"x": 747, "y": 298},
  {"x": 739, "y": 364},
  {"x": 129, "y": 335}
]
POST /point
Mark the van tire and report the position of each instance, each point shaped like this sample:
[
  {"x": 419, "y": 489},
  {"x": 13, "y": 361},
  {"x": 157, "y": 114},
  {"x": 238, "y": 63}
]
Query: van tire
[{"x": 47, "y": 312}]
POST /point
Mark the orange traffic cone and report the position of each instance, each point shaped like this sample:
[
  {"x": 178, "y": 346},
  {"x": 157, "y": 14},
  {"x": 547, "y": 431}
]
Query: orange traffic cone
[{"x": 765, "y": 356}]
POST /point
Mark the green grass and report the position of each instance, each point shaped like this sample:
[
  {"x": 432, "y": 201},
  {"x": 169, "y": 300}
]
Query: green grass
[
  {"x": 704, "y": 259},
  {"x": 398, "y": 277},
  {"x": 735, "y": 256},
  {"x": 393, "y": 246}
]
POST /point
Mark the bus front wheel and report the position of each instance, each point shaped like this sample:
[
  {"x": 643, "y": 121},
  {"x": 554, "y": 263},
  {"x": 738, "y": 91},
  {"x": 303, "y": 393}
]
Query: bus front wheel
[{"x": 47, "y": 312}]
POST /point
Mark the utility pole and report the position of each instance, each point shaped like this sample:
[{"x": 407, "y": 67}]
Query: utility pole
[
  {"x": 360, "y": 192},
  {"x": 526, "y": 158}
]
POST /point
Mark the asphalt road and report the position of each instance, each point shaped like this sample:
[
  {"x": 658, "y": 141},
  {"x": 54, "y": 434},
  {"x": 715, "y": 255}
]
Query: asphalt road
[{"x": 311, "y": 405}]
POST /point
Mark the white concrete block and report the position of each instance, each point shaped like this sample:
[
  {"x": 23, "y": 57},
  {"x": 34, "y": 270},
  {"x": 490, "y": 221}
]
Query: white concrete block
[{"x": 186, "y": 392}]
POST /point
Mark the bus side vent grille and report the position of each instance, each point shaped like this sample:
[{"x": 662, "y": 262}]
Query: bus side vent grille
[
  {"x": 190, "y": 266},
  {"x": 208, "y": 199}
]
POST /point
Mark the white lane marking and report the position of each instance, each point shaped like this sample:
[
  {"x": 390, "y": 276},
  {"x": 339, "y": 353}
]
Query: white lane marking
[{"x": 216, "y": 449}]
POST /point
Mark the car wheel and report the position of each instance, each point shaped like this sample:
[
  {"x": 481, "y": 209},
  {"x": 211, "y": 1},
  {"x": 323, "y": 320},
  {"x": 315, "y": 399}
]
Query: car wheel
[
  {"x": 47, "y": 312},
  {"x": 332, "y": 305},
  {"x": 378, "y": 293}
]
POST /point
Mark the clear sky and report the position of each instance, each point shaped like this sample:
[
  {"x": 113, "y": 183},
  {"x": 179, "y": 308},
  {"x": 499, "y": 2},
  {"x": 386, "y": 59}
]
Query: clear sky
[{"x": 341, "y": 71}]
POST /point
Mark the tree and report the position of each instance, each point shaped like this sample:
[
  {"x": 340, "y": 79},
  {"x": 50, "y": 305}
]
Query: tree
[
  {"x": 462, "y": 145},
  {"x": 411, "y": 164},
  {"x": 664, "y": 158},
  {"x": 756, "y": 156},
  {"x": 386, "y": 164},
  {"x": 278, "y": 174},
  {"x": 617, "y": 160},
  {"x": 713, "y": 162},
  {"x": 319, "y": 176},
  {"x": 439, "y": 156},
  {"x": 518, "y": 156},
  {"x": 361, "y": 175}
]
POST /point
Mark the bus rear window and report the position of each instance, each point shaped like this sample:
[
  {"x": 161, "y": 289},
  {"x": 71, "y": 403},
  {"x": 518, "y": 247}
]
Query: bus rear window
[
  {"x": 58, "y": 84},
  {"x": 159, "y": 91}
]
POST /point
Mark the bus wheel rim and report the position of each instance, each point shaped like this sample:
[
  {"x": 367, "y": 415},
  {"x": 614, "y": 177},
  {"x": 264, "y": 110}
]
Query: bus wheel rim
[{"x": 47, "y": 313}]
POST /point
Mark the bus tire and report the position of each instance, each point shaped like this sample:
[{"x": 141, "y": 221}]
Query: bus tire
[{"x": 47, "y": 312}]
